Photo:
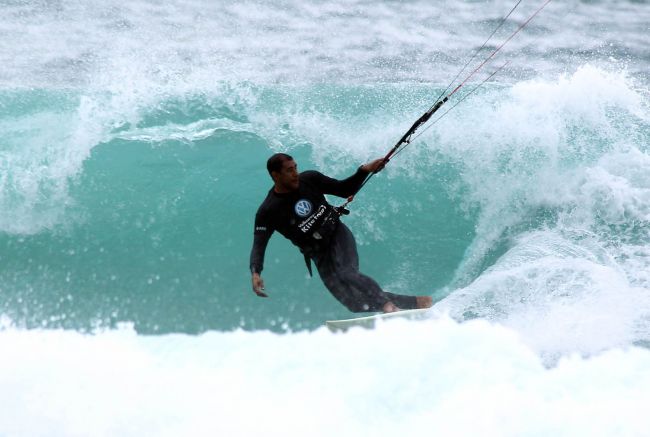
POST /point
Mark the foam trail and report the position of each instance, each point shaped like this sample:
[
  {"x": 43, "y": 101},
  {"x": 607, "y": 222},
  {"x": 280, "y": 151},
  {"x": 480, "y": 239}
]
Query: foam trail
[{"x": 459, "y": 380}]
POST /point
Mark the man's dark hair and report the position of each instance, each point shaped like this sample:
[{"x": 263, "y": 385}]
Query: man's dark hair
[{"x": 275, "y": 162}]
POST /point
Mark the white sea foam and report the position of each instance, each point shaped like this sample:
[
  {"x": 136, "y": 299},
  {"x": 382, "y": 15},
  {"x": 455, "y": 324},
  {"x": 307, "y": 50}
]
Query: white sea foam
[
  {"x": 288, "y": 40},
  {"x": 563, "y": 295},
  {"x": 448, "y": 378},
  {"x": 564, "y": 155}
]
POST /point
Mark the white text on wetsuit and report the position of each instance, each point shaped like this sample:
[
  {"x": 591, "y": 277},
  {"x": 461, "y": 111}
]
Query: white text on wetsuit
[{"x": 307, "y": 224}]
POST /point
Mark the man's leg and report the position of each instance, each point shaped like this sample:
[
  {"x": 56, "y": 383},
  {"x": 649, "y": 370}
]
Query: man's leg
[{"x": 339, "y": 269}]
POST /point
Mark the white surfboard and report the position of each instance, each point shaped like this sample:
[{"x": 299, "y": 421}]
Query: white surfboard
[{"x": 369, "y": 322}]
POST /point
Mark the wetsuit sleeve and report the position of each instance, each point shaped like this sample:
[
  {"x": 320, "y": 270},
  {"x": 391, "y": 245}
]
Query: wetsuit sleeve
[
  {"x": 261, "y": 236},
  {"x": 342, "y": 188}
]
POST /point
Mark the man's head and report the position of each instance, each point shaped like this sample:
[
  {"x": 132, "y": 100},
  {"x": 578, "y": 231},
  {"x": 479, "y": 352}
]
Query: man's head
[{"x": 284, "y": 172}]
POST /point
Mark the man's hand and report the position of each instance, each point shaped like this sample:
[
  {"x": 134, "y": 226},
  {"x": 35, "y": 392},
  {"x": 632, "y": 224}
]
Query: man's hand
[
  {"x": 258, "y": 285},
  {"x": 374, "y": 166}
]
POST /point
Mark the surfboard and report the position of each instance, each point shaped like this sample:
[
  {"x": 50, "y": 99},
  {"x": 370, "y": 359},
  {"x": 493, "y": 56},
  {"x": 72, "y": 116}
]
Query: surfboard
[{"x": 369, "y": 322}]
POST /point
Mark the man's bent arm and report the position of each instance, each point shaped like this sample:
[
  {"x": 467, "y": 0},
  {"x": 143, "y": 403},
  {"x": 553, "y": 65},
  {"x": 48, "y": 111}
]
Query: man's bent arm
[
  {"x": 349, "y": 186},
  {"x": 341, "y": 188}
]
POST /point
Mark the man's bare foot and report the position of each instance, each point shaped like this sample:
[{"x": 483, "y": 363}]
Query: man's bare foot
[
  {"x": 424, "y": 301},
  {"x": 389, "y": 307}
]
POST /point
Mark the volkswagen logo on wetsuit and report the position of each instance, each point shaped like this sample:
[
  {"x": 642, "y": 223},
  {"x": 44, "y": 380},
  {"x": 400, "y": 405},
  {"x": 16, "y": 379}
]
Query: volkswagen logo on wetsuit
[{"x": 303, "y": 208}]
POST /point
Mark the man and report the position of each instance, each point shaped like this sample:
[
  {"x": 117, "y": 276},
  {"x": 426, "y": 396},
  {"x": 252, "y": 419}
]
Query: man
[{"x": 297, "y": 209}]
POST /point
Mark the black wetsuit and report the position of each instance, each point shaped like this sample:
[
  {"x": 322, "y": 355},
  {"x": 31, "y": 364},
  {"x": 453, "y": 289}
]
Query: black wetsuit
[{"x": 304, "y": 217}]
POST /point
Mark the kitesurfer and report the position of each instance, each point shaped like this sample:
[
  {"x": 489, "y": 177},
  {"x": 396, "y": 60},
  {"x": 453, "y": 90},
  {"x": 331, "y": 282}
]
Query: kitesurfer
[{"x": 296, "y": 208}]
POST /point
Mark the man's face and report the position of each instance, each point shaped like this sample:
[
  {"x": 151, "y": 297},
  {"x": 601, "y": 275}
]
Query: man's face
[{"x": 287, "y": 177}]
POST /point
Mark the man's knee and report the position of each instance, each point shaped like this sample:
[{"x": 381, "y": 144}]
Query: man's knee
[
  {"x": 357, "y": 307},
  {"x": 351, "y": 299}
]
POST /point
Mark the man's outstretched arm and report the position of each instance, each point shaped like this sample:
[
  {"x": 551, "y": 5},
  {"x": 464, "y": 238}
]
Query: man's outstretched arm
[{"x": 260, "y": 241}]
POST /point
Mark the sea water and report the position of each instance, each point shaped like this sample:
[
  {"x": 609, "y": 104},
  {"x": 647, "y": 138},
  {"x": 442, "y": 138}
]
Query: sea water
[{"x": 133, "y": 142}]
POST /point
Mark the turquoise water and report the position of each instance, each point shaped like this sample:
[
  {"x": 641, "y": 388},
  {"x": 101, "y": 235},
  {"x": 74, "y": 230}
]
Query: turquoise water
[
  {"x": 151, "y": 224},
  {"x": 133, "y": 142}
]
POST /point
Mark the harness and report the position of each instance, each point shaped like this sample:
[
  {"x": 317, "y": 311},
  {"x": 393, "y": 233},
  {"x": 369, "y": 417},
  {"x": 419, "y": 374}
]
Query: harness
[{"x": 322, "y": 236}]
